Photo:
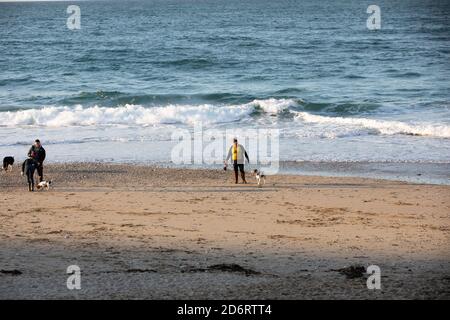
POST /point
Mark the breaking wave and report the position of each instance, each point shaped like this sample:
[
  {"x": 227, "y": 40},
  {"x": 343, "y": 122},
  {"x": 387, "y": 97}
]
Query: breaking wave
[
  {"x": 131, "y": 114},
  {"x": 385, "y": 127},
  {"x": 210, "y": 114}
]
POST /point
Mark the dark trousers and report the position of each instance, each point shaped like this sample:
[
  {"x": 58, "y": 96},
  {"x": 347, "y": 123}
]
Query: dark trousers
[
  {"x": 239, "y": 167},
  {"x": 30, "y": 177},
  {"x": 40, "y": 171}
]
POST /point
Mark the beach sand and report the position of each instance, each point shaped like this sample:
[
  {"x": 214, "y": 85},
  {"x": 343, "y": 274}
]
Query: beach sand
[{"x": 142, "y": 232}]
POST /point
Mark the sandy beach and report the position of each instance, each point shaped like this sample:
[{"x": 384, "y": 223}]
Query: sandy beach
[{"x": 142, "y": 232}]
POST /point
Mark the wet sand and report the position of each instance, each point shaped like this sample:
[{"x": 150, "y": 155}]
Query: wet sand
[{"x": 143, "y": 232}]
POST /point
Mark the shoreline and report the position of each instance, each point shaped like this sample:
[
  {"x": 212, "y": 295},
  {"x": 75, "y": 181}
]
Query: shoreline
[
  {"x": 144, "y": 232},
  {"x": 430, "y": 173}
]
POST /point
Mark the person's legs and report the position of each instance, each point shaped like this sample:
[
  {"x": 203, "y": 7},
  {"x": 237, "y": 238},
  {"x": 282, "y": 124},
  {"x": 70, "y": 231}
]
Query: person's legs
[
  {"x": 241, "y": 169},
  {"x": 30, "y": 178},
  {"x": 40, "y": 170},
  {"x": 235, "y": 167}
]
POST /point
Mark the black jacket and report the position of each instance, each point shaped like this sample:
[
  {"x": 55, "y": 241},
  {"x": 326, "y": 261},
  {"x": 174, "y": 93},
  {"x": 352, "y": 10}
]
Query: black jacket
[
  {"x": 37, "y": 154},
  {"x": 28, "y": 165}
]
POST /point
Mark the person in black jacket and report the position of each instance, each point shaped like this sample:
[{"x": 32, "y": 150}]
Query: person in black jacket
[
  {"x": 37, "y": 153},
  {"x": 28, "y": 168}
]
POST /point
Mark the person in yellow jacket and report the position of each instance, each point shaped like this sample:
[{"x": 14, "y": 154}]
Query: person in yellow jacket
[{"x": 237, "y": 153}]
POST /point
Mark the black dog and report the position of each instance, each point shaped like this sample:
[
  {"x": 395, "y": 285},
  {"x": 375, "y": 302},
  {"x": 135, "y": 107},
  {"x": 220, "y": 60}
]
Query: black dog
[
  {"x": 28, "y": 167},
  {"x": 7, "y": 162}
]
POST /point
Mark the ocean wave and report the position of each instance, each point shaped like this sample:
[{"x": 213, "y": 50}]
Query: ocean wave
[
  {"x": 344, "y": 108},
  {"x": 209, "y": 114},
  {"x": 115, "y": 98},
  {"x": 274, "y": 106},
  {"x": 130, "y": 114},
  {"x": 14, "y": 81},
  {"x": 385, "y": 127},
  {"x": 198, "y": 62}
]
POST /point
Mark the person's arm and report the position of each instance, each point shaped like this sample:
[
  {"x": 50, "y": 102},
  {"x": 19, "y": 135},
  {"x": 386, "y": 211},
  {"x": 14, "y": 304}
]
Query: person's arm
[
  {"x": 23, "y": 166},
  {"x": 30, "y": 151},
  {"x": 245, "y": 153},
  {"x": 43, "y": 154},
  {"x": 229, "y": 154}
]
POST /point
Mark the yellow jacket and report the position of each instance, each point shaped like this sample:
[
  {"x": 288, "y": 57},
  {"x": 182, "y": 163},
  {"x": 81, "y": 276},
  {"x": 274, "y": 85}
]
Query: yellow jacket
[{"x": 237, "y": 155}]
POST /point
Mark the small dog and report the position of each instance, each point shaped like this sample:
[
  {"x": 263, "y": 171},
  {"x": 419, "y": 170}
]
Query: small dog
[
  {"x": 44, "y": 185},
  {"x": 8, "y": 163},
  {"x": 260, "y": 177}
]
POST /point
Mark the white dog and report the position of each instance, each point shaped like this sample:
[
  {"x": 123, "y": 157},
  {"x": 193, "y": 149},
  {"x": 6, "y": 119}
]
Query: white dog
[
  {"x": 260, "y": 177},
  {"x": 44, "y": 185}
]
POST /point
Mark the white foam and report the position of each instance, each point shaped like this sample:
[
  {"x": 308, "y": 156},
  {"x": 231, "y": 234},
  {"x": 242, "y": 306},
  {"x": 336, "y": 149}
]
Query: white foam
[
  {"x": 274, "y": 106},
  {"x": 386, "y": 127},
  {"x": 124, "y": 115},
  {"x": 130, "y": 114},
  {"x": 137, "y": 115}
]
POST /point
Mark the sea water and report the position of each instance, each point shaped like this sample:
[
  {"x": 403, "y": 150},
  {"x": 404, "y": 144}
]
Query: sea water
[{"x": 345, "y": 99}]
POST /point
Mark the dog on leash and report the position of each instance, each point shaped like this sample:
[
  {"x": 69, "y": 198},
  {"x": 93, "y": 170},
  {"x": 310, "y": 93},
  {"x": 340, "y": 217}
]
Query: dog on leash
[
  {"x": 44, "y": 185},
  {"x": 260, "y": 177},
  {"x": 8, "y": 163}
]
